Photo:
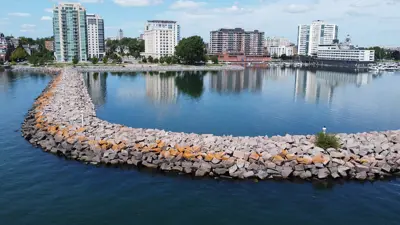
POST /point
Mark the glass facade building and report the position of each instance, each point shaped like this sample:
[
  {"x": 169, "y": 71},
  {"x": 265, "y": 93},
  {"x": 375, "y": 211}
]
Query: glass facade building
[{"x": 70, "y": 33}]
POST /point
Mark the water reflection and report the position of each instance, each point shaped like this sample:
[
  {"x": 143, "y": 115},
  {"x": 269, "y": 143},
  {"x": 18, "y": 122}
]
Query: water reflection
[
  {"x": 97, "y": 87},
  {"x": 319, "y": 86},
  {"x": 9, "y": 79},
  {"x": 161, "y": 89},
  {"x": 191, "y": 83},
  {"x": 237, "y": 81}
]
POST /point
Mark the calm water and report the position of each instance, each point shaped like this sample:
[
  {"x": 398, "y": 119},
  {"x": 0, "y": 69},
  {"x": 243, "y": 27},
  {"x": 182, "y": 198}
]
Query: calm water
[
  {"x": 39, "y": 188},
  {"x": 250, "y": 103}
]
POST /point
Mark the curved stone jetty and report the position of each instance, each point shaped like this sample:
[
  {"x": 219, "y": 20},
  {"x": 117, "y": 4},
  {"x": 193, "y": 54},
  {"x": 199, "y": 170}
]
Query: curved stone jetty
[{"x": 63, "y": 121}]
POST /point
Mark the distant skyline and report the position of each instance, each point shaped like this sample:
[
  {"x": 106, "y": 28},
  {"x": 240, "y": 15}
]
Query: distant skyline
[{"x": 369, "y": 22}]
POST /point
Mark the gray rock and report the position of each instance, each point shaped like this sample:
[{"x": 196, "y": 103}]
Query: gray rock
[
  {"x": 220, "y": 171},
  {"x": 205, "y": 166},
  {"x": 335, "y": 154},
  {"x": 240, "y": 163},
  {"x": 335, "y": 175},
  {"x": 286, "y": 171},
  {"x": 232, "y": 169},
  {"x": 215, "y": 161},
  {"x": 248, "y": 174},
  {"x": 200, "y": 172},
  {"x": 261, "y": 174},
  {"x": 177, "y": 168},
  {"x": 323, "y": 173},
  {"x": 361, "y": 168},
  {"x": 338, "y": 161},
  {"x": 386, "y": 168},
  {"x": 239, "y": 154},
  {"x": 187, "y": 170},
  {"x": 306, "y": 174},
  {"x": 361, "y": 175},
  {"x": 299, "y": 167}
]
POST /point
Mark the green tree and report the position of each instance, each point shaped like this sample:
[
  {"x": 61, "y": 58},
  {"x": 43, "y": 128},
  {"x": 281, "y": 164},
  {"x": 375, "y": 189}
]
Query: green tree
[
  {"x": 190, "y": 83},
  {"x": 168, "y": 59},
  {"x": 214, "y": 59},
  {"x": 33, "y": 59},
  {"x": 275, "y": 56},
  {"x": 162, "y": 60},
  {"x": 283, "y": 57},
  {"x": 75, "y": 60},
  {"x": 95, "y": 60},
  {"x": 144, "y": 60},
  {"x": 396, "y": 55},
  {"x": 150, "y": 59},
  {"x": 19, "y": 54},
  {"x": 155, "y": 60},
  {"x": 191, "y": 50},
  {"x": 105, "y": 60}
]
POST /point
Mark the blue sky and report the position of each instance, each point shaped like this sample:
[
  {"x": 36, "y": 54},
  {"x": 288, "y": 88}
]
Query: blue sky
[{"x": 369, "y": 22}]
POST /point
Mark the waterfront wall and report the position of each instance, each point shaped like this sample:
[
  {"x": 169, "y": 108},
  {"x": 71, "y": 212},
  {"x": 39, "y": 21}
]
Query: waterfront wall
[{"x": 63, "y": 121}]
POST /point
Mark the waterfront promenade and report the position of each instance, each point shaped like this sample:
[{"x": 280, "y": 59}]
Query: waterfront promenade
[{"x": 63, "y": 121}]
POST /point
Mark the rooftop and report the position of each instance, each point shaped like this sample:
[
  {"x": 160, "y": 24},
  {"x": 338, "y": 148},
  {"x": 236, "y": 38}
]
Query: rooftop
[{"x": 161, "y": 21}]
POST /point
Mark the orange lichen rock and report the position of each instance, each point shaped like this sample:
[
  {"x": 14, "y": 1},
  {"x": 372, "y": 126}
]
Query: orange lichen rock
[
  {"x": 284, "y": 153},
  {"x": 160, "y": 144},
  {"x": 291, "y": 156},
  {"x": 196, "y": 148},
  {"x": 188, "y": 155},
  {"x": 102, "y": 142},
  {"x": 209, "y": 157},
  {"x": 139, "y": 145},
  {"x": 304, "y": 160},
  {"x": 219, "y": 155},
  {"x": 277, "y": 158},
  {"x": 254, "y": 155},
  {"x": 319, "y": 158},
  {"x": 173, "y": 152},
  {"x": 80, "y": 130}
]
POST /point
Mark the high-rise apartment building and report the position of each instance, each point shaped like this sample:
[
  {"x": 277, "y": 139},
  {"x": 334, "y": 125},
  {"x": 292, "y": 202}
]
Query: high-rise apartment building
[
  {"x": 236, "y": 42},
  {"x": 276, "y": 41},
  {"x": 160, "y": 38},
  {"x": 95, "y": 34},
  {"x": 70, "y": 35},
  {"x": 120, "y": 35},
  {"x": 311, "y": 36}
]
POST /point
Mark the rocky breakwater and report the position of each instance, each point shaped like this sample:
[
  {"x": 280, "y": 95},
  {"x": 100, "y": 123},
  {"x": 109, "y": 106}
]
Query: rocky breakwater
[
  {"x": 63, "y": 121},
  {"x": 46, "y": 70}
]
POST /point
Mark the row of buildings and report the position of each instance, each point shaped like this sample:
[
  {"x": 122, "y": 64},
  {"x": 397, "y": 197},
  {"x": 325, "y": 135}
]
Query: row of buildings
[
  {"x": 77, "y": 34},
  {"x": 320, "y": 40}
]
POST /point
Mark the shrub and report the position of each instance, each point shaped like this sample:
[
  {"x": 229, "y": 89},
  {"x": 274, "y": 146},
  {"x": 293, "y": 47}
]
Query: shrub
[{"x": 326, "y": 141}]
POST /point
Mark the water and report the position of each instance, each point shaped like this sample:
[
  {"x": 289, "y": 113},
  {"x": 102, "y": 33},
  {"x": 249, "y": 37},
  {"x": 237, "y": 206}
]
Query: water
[
  {"x": 40, "y": 188},
  {"x": 250, "y": 103}
]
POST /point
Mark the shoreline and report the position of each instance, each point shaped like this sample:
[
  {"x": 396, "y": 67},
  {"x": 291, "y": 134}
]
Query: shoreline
[
  {"x": 134, "y": 68},
  {"x": 55, "y": 124}
]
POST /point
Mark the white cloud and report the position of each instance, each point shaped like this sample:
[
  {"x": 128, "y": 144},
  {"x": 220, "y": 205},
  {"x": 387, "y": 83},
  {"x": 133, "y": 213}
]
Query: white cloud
[
  {"x": 20, "y": 14},
  {"x": 49, "y": 10},
  {"x": 295, "y": 8},
  {"x": 91, "y": 1},
  {"x": 183, "y": 4},
  {"x": 28, "y": 26},
  {"x": 80, "y": 1},
  {"x": 27, "y": 30},
  {"x": 46, "y": 18},
  {"x": 137, "y": 2}
]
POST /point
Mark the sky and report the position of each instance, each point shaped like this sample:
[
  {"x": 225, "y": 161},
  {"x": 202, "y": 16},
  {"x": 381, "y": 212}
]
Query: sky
[{"x": 368, "y": 22}]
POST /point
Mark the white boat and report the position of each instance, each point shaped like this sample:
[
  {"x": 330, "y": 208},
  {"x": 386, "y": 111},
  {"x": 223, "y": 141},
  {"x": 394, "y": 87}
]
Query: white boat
[{"x": 374, "y": 68}]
